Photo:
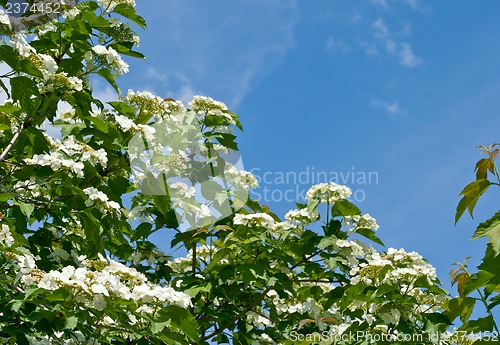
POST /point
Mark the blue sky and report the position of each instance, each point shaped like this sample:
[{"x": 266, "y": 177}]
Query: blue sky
[{"x": 403, "y": 88}]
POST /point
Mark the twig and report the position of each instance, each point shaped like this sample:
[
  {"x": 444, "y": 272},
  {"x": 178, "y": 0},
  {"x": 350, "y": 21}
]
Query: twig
[{"x": 12, "y": 142}]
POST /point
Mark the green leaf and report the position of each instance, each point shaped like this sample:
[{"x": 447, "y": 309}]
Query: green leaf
[
  {"x": 344, "y": 207},
  {"x": 465, "y": 306},
  {"x": 333, "y": 227},
  {"x": 484, "y": 324},
  {"x": 124, "y": 109},
  {"x": 157, "y": 327},
  {"x": 490, "y": 228},
  {"x": 26, "y": 209},
  {"x": 227, "y": 140},
  {"x": 71, "y": 322},
  {"x": 370, "y": 234},
  {"x": 125, "y": 48},
  {"x": 110, "y": 78},
  {"x": 129, "y": 12},
  {"x": 99, "y": 124},
  {"x": 9, "y": 108},
  {"x": 4, "y": 122},
  {"x": 8, "y": 55},
  {"x": 312, "y": 205},
  {"x": 471, "y": 194},
  {"x": 142, "y": 231},
  {"x": 22, "y": 90}
]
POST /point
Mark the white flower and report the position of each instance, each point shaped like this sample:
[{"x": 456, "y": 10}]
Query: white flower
[
  {"x": 76, "y": 83},
  {"x": 109, "y": 5},
  {"x": 183, "y": 190},
  {"x": 392, "y": 317},
  {"x": 301, "y": 216},
  {"x": 100, "y": 50},
  {"x": 95, "y": 194},
  {"x": 328, "y": 192},
  {"x": 240, "y": 178},
  {"x": 71, "y": 13},
  {"x": 361, "y": 222},
  {"x": 254, "y": 219},
  {"x": 65, "y": 115},
  {"x": 4, "y": 18},
  {"x": 112, "y": 57},
  {"x": 99, "y": 302},
  {"x": 125, "y": 123},
  {"x": 50, "y": 64},
  {"x": 22, "y": 47},
  {"x": 5, "y": 236}
]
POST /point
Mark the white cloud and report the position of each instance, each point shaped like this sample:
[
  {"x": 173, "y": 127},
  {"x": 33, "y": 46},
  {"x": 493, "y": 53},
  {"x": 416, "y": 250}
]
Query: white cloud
[
  {"x": 414, "y": 4},
  {"x": 390, "y": 41},
  {"x": 392, "y": 108},
  {"x": 336, "y": 45},
  {"x": 381, "y": 3},
  {"x": 355, "y": 16},
  {"x": 222, "y": 49},
  {"x": 407, "y": 57}
]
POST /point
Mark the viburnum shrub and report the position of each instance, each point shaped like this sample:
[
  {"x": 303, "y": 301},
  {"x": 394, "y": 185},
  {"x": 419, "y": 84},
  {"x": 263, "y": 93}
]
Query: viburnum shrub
[{"x": 77, "y": 210}]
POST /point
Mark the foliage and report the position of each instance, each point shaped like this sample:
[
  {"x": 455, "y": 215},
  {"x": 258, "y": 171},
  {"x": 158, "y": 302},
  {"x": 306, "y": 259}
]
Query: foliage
[
  {"x": 78, "y": 265},
  {"x": 486, "y": 281}
]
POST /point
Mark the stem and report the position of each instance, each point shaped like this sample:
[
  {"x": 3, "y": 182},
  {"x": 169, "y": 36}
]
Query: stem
[
  {"x": 496, "y": 173},
  {"x": 193, "y": 262},
  {"x": 488, "y": 310},
  {"x": 327, "y": 213},
  {"x": 14, "y": 139}
]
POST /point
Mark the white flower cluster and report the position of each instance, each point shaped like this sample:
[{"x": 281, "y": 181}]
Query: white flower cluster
[
  {"x": 288, "y": 306},
  {"x": 70, "y": 154},
  {"x": 112, "y": 58},
  {"x": 301, "y": 217},
  {"x": 295, "y": 220},
  {"x": 111, "y": 279},
  {"x": 96, "y": 195},
  {"x": 29, "y": 188},
  {"x": 50, "y": 65},
  {"x": 351, "y": 250},
  {"x": 266, "y": 221},
  {"x": 77, "y": 338},
  {"x": 66, "y": 115},
  {"x": 4, "y": 18},
  {"x": 183, "y": 190},
  {"x": 127, "y": 124},
  {"x": 204, "y": 254},
  {"x": 28, "y": 271},
  {"x": 109, "y": 5},
  {"x": 257, "y": 320},
  {"x": 21, "y": 46},
  {"x": 404, "y": 266},
  {"x": 152, "y": 104},
  {"x": 241, "y": 178},
  {"x": 208, "y": 106},
  {"x": 196, "y": 210},
  {"x": 61, "y": 81},
  {"x": 254, "y": 219},
  {"x": 361, "y": 222},
  {"x": 205, "y": 104},
  {"x": 47, "y": 66},
  {"x": 6, "y": 238},
  {"x": 71, "y": 13},
  {"x": 328, "y": 192}
]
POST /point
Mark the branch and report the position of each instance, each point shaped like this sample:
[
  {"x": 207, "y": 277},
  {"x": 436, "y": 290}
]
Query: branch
[
  {"x": 12, "y": 142},
  {"x": 237, "y": 317}
]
